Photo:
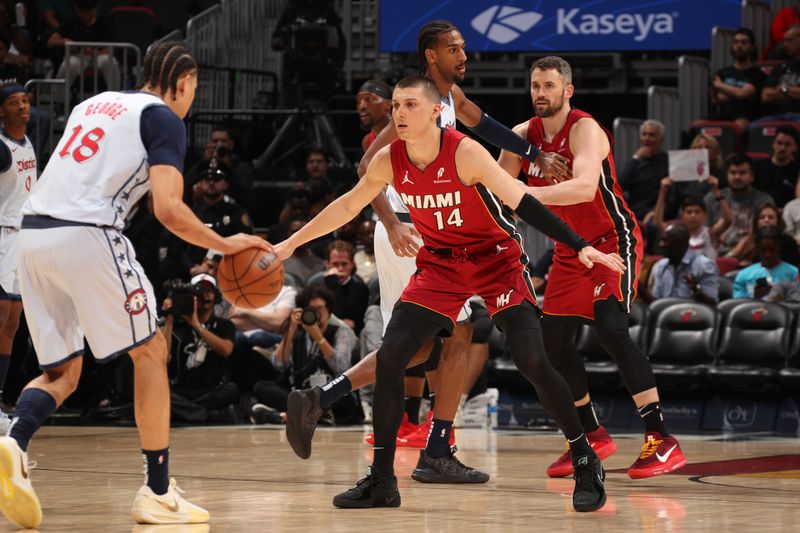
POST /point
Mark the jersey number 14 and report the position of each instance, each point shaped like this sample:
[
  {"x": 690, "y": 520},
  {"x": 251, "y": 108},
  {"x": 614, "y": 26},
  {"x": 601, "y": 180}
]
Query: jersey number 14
[
  {"x": 454, "y": 219},
  {"x": 88, "y": 146}
]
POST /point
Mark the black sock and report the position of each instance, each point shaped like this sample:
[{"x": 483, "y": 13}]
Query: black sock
[
  {"x": 334, "y": 390},
  {"x": 580, "y": 447},
  {"x": 383, "y": 461},
  {"x": 33, "y": 408},
  {"x": 156, "y": 470},
  {"x": 5, "y": 360},
  {"x": 412, "y": 409},
  {"x": 588, "y": 417},
  {"x": 653, "y": 419},
  {"x": 432, "y": 397},
  {"x": 439, "y": 438}
]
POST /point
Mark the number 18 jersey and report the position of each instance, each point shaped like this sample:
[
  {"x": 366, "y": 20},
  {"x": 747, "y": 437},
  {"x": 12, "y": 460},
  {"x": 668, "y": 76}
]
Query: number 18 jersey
[{"x": 100, "y": 168}]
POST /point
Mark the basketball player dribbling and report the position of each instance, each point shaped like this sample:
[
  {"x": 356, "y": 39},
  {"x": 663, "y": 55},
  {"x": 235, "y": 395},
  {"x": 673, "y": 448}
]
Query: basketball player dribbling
[
  {"x": 79, "y": 275},
  {"x": 591, "y": 203},
  {"x": 470, "y": 247}
]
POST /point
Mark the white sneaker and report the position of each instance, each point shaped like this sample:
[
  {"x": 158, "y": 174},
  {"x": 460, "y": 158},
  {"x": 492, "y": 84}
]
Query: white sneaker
[
  {"x": 5, "y": 423},
  {"x": 169, "y": 508},
  {"x": 18, "y": 501}
]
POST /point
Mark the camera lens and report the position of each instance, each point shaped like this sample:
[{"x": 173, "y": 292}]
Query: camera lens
[{"x": 309, "y": 316}]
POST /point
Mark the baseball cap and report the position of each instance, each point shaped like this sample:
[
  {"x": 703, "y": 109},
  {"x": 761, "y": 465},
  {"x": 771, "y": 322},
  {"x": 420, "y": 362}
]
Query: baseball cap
[{"x": 204, "y": 278}]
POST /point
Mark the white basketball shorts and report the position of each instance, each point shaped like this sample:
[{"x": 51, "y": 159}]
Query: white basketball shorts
[
  {"x": 81, "y": 281},
  {"x": 8, "y": 262}
]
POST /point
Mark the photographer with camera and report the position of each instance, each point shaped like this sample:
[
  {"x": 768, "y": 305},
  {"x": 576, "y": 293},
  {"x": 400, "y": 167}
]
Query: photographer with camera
[
  {"x": 221, "y": 146},
  {"x": 199, "y": 345},
  {"x": 316, "y": 347}
]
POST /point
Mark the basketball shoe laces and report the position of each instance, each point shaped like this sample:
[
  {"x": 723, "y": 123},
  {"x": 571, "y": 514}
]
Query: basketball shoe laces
[{"x": 650, "y": 447}]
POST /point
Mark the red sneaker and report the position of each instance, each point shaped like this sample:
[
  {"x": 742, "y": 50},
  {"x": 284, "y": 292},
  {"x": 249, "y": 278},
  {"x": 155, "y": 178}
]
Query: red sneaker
[
  {"x": 601, "y": 443},
  {"x": 660, "y": 455},
  {"x": 419, "y": 438},
  {"x": 405, "y": 428}
]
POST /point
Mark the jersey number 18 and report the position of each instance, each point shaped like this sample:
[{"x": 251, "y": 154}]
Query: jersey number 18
[{"x": 88, "y": 146}]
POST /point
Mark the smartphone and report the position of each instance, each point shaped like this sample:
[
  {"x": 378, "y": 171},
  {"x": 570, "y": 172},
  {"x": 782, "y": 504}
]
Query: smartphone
[{"x": 762, "y": 282}]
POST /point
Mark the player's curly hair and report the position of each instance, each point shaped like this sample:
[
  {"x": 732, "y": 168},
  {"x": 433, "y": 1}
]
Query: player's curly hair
[
  {"x": 427, "y": 37},
  {"x": 165, "y": 63}
]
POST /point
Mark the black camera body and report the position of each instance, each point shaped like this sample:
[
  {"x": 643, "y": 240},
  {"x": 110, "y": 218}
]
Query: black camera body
[
  {"x": 182, "y": 295},
  {"x": 309, "y": 316}
]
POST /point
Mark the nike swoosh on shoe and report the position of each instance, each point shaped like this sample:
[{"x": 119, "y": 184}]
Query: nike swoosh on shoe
[{"x": 663, "y": 458}]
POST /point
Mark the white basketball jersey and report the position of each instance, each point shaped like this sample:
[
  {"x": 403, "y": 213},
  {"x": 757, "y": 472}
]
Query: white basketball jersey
[
  {"x": 99, "y": 169},
  {"x": 447, "y": 120},
  {"x": 16, "y": 182}
]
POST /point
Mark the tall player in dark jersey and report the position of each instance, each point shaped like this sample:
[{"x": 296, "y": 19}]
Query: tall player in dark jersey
[
  {"x": 470, "y": 247},
  {"x": 592, "y": 204}
]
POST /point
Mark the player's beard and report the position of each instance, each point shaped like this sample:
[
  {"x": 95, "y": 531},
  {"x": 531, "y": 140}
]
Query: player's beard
[{"x": 550, "y": 110}]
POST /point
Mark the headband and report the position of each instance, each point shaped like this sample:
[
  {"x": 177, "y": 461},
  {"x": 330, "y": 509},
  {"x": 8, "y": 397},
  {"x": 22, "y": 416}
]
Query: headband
[{"x": 376, "y": 87}]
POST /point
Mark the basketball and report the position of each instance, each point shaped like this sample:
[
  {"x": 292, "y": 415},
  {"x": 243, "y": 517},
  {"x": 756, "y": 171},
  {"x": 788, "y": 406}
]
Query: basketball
[{"x": 251, "y": 278}]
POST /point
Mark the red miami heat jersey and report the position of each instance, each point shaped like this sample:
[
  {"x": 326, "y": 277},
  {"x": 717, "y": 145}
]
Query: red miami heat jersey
[
  {"x": 607, "y": 216},
  {"x": 447, "y": 213}
]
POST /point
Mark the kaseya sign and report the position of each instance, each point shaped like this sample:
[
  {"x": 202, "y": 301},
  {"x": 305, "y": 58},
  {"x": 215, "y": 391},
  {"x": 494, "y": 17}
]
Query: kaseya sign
[{"x": 566, "y": 25}]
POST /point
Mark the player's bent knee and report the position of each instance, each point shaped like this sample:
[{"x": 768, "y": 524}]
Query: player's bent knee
[{"x": 154, "y": 350}]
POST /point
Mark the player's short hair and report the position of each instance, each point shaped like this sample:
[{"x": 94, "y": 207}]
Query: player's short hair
[
  {"x": 427, "y": 86},
  {"x": 693, "y": 201},
  {"x": 339, "y": 245},
  {"x": 165, "y": 63},
  {"x": 554, "y": 63},
  {"x": 426, "y": 38},
  {"x": 311, "y": 292}
]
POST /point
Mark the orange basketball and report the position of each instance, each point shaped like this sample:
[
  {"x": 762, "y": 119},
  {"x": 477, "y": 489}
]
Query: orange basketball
[{"x": 251, "y": 278}]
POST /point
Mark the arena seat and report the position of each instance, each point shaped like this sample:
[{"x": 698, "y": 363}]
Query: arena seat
[
  {"x": 789, "y": 376},
  {"x": 725, "y": 288},
  {"x": 759, "y": 136},
  {"x": 682, "y": 339},
  {"x": 317, "y": 278},
  {"x": 728, "y": 133},
  {"x": 754, "y": 345},
  {"x": 727, "y": 264}
]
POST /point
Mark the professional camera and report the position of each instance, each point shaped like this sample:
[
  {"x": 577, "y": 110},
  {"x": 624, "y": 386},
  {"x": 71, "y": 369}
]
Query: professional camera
[
  {"x": 182, "y": 295},
  {"x": 220, "y": 150},
  {"x": 309, "y": 316}
]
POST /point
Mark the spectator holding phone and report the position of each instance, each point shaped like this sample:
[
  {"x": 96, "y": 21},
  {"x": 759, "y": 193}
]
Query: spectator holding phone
[{"x": 757, "y": 280}]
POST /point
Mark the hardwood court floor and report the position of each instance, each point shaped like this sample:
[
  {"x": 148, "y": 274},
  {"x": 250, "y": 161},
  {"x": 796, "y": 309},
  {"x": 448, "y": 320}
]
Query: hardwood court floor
[{"x": 250, "y": 480}]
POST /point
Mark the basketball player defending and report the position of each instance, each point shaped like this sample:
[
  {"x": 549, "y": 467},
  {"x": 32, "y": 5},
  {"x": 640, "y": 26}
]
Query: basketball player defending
[
  {"x": 470, "y": 247},
  {"x": 79, "y": 275},
  {"x": 17, "y": 176},
  {"x": 443, "y": 60},
  {"x": 592, "y": 204}
]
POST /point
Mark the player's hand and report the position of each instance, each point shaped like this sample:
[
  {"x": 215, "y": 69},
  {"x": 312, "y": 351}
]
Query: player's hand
[
  {"x": 283, "y": 250},
  {"x": 589, "y": 256},
  {"x": 554, "y": 167},
  {"x": 403, "y": 239},
  {"x": 242, "y": 241},
  {"x": 666, "y": 183}
]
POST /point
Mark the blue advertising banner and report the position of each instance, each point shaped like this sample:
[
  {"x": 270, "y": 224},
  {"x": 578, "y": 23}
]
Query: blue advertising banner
[{"x": 565, "y": 25}]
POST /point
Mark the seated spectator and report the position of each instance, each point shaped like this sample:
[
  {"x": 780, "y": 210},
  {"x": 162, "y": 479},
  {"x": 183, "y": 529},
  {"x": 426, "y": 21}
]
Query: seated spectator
[
  {"x": 702, "y": 239},
  {"x": 303, "y": 262},
  {"x": 781, "y": 93},
  {"x": 736, "y": 89},
  {"x": 350, "y": 293},
  {"x": 777, "y": 175},
  {"x": 11, "y": 71},
  {"x": 221, "y": 146},
  {"x": 784, "y": 19},
  {"x": 316, "y": 347},
  {"x": 742, "y": 198},
  {"x": 57, "y": 12},
  {"x": 199, "y": 345},
  {"x": 365, "y": 251},
  {"x": 681, "y": 190},
  {"x": 641, "y": 175},
  {"x": 298, "y": 203},
  {"x": 86, "y": 27},
  {"x": 766, "y": 216},
  {"x": 683, "y": 273},
  {"x": 757, "y": 280},
  {"x": 791, "y": 219},
  {"x": 263, "y": 327}
]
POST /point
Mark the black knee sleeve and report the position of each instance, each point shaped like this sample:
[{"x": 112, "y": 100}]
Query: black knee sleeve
[
  {"x": 481, "y": 325},
  {"x": 611, "y": 323},
  {"x": 559, "y": 334},
  {"x": 417, "y": 371}
]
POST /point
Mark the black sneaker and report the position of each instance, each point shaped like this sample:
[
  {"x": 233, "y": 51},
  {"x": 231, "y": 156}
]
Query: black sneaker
[
  {"x": 263, "y": 414},
  {"x": 372, "y": 491},
  {"x": 303, "y": 411},
  {"x": 590, "y": 492},
  {"x": 445, "y": 469}
]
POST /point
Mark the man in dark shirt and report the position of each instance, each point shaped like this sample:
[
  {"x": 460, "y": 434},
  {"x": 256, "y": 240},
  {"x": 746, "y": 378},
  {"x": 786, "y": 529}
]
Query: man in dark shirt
[
  {"x": 351, "y": 294},
  {"x": 640, "y": 178},
  {"x": 736, "y": 89},
  {"x": 777, "y": 176},
  {"x": 781, "y": 91}
]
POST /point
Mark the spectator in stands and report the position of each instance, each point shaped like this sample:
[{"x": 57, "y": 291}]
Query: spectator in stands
[
  {"x": 682, "y": 273},
  {"x": 222, "y": 146},
  {"x": 262, "y": 328},
  {"x": 199, "y": 344},
  {"x": 86, "y": 27},
  {"x": 736, "y": 89},
  {"x": 374, "y": 106},
  {"x": 317, "y": 163},
  {"x": 757, "y": 280},
  {"x": 350, "y": 293},
  {"x": 702, "y": 238},
  {"x": 784, "y": 19},
  {"x": 303, "y": 263},
  {"x": 777, "y": 175},
  {"x": 641, "y": 175},
  {"x": 678, "y": 192},
  {"x": 742, "y": 198},
  {"x": 791, "y": 219},
  {"x": 781, "y": 93},
  {"x": 317, "y": 347},
  {"x": 298, "y": 205},
  {"x": 766, "y": 216},
  {"x": 365, "y": 251},
  {"x": 10, "y": 70}
]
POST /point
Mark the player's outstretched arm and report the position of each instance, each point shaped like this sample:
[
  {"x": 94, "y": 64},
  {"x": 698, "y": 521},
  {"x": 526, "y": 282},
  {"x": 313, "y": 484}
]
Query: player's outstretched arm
[
  {"x": 590, "y": 146},
  {"x": 552, "y": 165},
  {"x": 475, "y": 165},
  {"x": 170, "y": 210},
  {"x": 345, "y": 208}
]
